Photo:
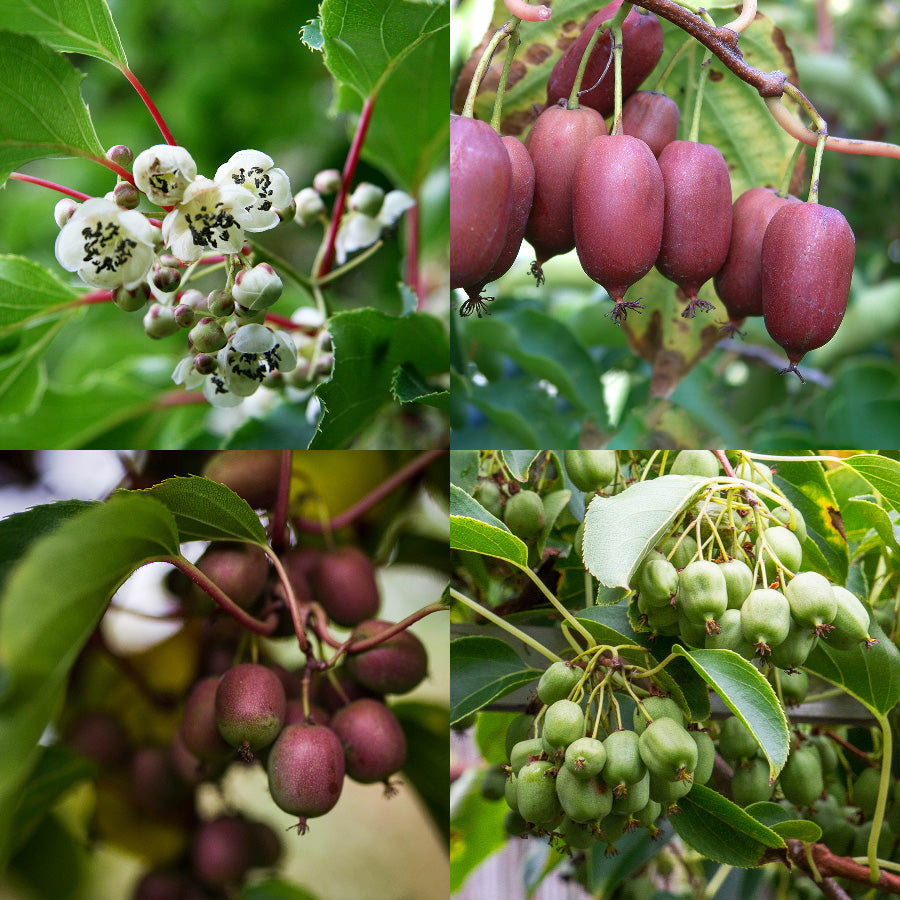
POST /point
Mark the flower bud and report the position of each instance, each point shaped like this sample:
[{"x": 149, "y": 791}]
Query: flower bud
[
  {"x": 159, "y": 321},
  {"x": 133, "y": 300},
  {"x": 121, "y": 155},
  {"x": 288, "y": 212},
  {"x": 310, "y": 207},
  {"x": 207, "y": 336},
  {"x": 328, "y": 181},
  {"x": 184, "y": 316},
  {"x": 367, "y": 199},
  {"x": 166, "y": 278},
  {"x": 64, "y": 210},
  {"x": 195, "y": 299},
  {"x": 249, "y": 316},
  {"x": 126, "y": 195},
  {"x": 205, "y": 363},
  {"x": 220, "y": 303},
  {"x": 257, "y": 288}
]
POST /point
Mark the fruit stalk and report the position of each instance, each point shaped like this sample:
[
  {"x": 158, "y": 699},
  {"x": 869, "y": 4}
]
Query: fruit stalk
[
  {"x": 511, "y": 47},
  {"x": 504, "y": 31}
]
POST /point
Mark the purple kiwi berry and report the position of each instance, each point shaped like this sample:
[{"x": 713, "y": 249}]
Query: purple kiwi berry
[
  {"x": 221, "y": 851},
  {"x": 374, "y": 743},
  {"x": 652, "y": 117},
  {"x": 198, "y": 728},
  {"x": 394, "y": 666},
  {"x": 240, "y": 570},
  {"x": 153, "y": 781},
  {"x": 333, "y": 696},
  {"x": 188, "y": 768},
  {"x": 344, "y": 583},
  {"x": 161, "y": 885},
  {"x": 294, "y": 713},
  {"x": 250, "y": 706},
  {"x": 100, "y": 738},
  {"x": 251, "y": 474},
  {"x": 306, "y": 771},
  {"x": 265, "y": 845}
]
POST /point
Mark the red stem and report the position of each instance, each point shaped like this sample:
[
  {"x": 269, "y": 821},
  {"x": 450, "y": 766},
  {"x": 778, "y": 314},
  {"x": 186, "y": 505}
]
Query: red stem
[
  {"x": 69, "y": 192},
  {"x": 124, "y": 174},
  {"x": 346, "y": 180},
  {"x": 157, "y": 116},
  {"x": 367, "y": 502},
  {"x": 278, "y": 529},
  {"x": 94, "y": 297},
  {"x": 412, "y": 252},
  {"x": 285, "y": 322},
  {"x": 376, "y": 639}
]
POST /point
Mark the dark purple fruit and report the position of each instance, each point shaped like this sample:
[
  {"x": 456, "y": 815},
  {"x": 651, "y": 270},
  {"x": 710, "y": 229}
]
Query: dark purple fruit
[
  {"x": 523, "y": 194},
  {"x": 618, "y": 214},
  {"x": 652, "y": 117},
  {"x": 807, "y": 263},
  {"x": 153, "y": 784},
  {"x": 480, "y": 199},
  {"x": 374, "y": 743},
  {"x": 299, "y": 563},
  {"x": 306, "y": 771},
  {"x": 250, "y": 705},
  {"x": 739, "y": 282},
  {"x": 293, "y": 714},
  {"x": 555, "y": 143},
  {"x": 240, "y": 570},
  {"x": 161, "y": 885},
  {"x": 265, "y": 845},
  {"x": 333, "y": 697},
  {"x": 187, "y": 767},
  {"x": 198, "y": 728},
  {"x": 394, "y": 666},
  {"x": 344, "y": 583},
  {"x": 642, "y": 42},
  {"x": 251, "y": 474},
  {"x": 697, "y": 226},
  {"x": 221, "y": 852},
  {"x": 99, "y": 737}
]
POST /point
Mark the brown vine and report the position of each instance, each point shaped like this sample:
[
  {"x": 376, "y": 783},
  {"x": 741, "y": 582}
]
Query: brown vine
[{"x": 829, "y": 864}]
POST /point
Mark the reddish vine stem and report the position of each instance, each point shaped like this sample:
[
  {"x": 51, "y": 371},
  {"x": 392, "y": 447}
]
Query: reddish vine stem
[
  {"x": 848, "y": 746},
  {"x": 362, "y": 127},
  {"x": 829, "y": 864},
  {"x": 151, "y": 106},
  {"x": 210, "y": 587},
  {"x": 278, "y": 527},
  {"x": 61, "y": 188},
  {"x": 354, "y": 512},
  {"x": 396, "y": 628},
  {"x": 320, "y": 626},
  {"x": 729, "y": 471}
]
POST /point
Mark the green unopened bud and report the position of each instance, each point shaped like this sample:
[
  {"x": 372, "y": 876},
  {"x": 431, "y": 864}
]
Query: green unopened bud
[
  {"x": 126, "y": 196},
  {"x": 159, "y": 321},
  {"x": 310, "y": 207},
  {"x": 328, "y": 181},
  {"x": 207, "y": 336},
  {"x": 195, "y": 299},
  {"x": 367, "y": 199},
  {"x": 220, "y": 303},
  {"x": 205, "y": 363},
  {"x": 133, "y": 300},
  {"x": 257, "y": 288},
  {"x": 166, "y": 278},
  {"x": 249, "y": 316},
  {"x": 184, "y": 316},
  {"x": 121, "y": 155}
]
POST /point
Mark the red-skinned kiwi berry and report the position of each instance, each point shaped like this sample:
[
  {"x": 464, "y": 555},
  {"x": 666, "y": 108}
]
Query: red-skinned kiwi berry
[
  {"x": 523, "y": 194},
  {"x": 642, "y": 42},
  {"x": 99, "y": 737},
  {"x": 555, "y": 143},
  {"x": 332, "y": 697},
  {"x": 344, "y": 583},
  {"x": 221, "y": 852},
  {"x": 739, "y": 282},
  {"x": 293, "y": 714},
  {"x": 394, "y": 666},
  {"x": 240, "y": 570},
  {"x": 189, "y": 769},
  {"x": 250, "y": 706},
  {"x": 653, "y": 117},
  {"x": 618, "y": 181},
  {"x": 807, "y": 263},
  {"x": 198, "y": 728},
  {"x": 697, "y": 226},
  {"x": 306, "y": 771},
  {"x": 153, "y": 784},
  {"x": 161, "y": 885},
  {"x": 480, "y": 199},
  {"x": 374, "y": 743},
  {"x": 251, "y": 474}
]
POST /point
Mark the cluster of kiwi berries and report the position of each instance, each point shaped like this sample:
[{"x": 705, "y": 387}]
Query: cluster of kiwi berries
[
  {"x": 729, "y": 576},
  {"x": 309, "y": 727},
  {"x": 639, "y": 198},
  {"x": 582, "y": 777}
]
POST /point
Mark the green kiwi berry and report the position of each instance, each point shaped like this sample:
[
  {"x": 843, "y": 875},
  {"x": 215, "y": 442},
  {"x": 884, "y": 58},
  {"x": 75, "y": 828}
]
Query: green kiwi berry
[
  {"x": 585, "y": 757},
  {"x": 658, "y": 581},
  {"x": 792, "y": 520},
  {"x": 801, "y": 778},
  {"x": 563, "y": 724},
  {"x": 638, "y": 797},
  {"x": 794, "y": 686},
  {"x": 865, "y": 790},
  {"x": 736, "y": 742},
  {"x": 795, "y": 648},
  {"x": 779, "y": 547},
  {"x": 702, "y": 594},
  {"x": 701, "y": 463},
  {"x": 765, "y": 619},
  {"x": 557, "y": 682},
  {"x": 524, "y": 515},
  {"x": 489, "y": 496},
  {"x": 667, "y": 791},
  {"x": 750, "y": 783},
  {"x": 524, "y": 751},
  {"x": 730, "y": 635},
  {"x": 590, "y": 470},
  {"x": 755, "y": 472},
  {"x": 851, "y": 621},
  {"x": 685, "y": 552},
  {"x": 668, "y": 750},
  {"x": 583, "y": 799},
  {"x": 536, "y": 794},
  {"x": 657, "y": 708},
  {"x": 624, "y": 765},
  {"x": 575, "y": 835},
  {"x": 812, "y": 601},
  {"x": 738, "y": 581},
  {"x": 706, "y": 756}
]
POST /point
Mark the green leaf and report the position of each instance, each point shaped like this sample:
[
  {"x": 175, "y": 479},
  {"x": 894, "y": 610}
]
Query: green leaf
[
  {"x": 782, "y": 823},
  {"x": 882, "y": 473},
  {"x": 490, "y": 735},
  {"x": 20, "y": 530},
  {"x": 205, "y": 510},
  {"x": 464, "y": 469},
  {"x": 472, "y": 527},
  {"x": 619, "y": 530},
  {"x": 861, "y": 514},
  {"x": 547, "y": 348},
  {"x": 476, "y": 832},
  {"x": 27, "y": 290},
  {"x": 749, "y": 696},
  {"x": 276, "y": 889},
  {"x": 483, "y": 670},
  {"x": 58, "y": 769},
  {"x": 633, "y": 851},
  {"x": 428, "y": 756},
  {"x": 805, "y": 485},
  {"x": 41, "y": 111},
  {"x": 871, "y": 675},
  {"x": 368, "y": 347},
  {"x": 722, "y": 831},
  {"x": 73, "y": 571},
  {"x": 407, "y": 387},
  {"x": 78, "y": 26},
  {"x": 519, "y": 462}
]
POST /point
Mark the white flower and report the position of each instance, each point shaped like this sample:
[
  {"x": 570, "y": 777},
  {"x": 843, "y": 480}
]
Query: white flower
[
  {"x": 211, "y": 217},
  {"x": 253, "y": 352},
  {"x": 359, "y": 230},
  {"x": 107, "y": 246},
  {"x": 163, "y": 173},
  {"x": 186, "y": 374},
  {"x": 270, "y": 186}
]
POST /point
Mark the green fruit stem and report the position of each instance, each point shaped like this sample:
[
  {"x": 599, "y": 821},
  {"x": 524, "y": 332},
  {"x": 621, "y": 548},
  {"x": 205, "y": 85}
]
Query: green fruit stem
[
  {"x": 511, "y": 47},
  {"x": 660, "y": 84},
  {"x": 485, "y": 61},
  {"x": 567, "y": 616},
  {"x": 701, "y": 84},
  {"x": 502, "y": 623},
  {"x": 884, "y": 787},
  {"x": 785, "y": 187},
  {"x": 617, "y": 45},
  {"x": 579, "y": 75}
]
